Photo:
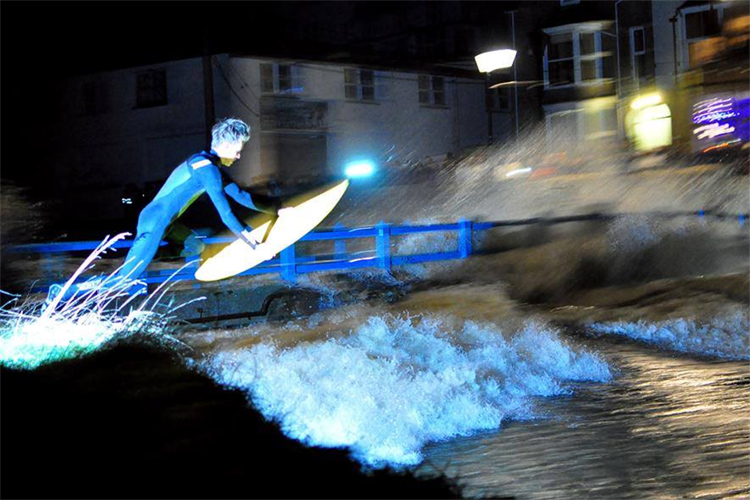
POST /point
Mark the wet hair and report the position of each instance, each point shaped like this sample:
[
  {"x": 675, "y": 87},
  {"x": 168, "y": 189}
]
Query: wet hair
[{"x": 230, "y": 130}]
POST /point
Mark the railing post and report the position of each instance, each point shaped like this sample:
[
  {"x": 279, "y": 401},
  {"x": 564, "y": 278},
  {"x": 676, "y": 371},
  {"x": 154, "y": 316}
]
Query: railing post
[
  {"x": 383, "y": 245},
  {"x": 464, "y": 238},
  {"x": 141, "y": 288},
  {"x": 288, "y": 264},
  {"x": 339, "y": 246}
]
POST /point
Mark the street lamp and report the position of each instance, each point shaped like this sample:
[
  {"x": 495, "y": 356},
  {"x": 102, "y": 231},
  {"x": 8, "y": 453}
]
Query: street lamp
[{"x": 487, "y": 62}]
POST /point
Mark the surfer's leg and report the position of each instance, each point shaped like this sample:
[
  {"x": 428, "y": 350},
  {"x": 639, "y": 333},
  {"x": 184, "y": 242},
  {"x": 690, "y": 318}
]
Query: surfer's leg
[{"x": 152, "y": 223}]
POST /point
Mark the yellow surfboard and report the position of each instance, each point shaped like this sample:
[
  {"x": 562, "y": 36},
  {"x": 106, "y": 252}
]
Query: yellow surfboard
[{"x": 284, "y": 231}]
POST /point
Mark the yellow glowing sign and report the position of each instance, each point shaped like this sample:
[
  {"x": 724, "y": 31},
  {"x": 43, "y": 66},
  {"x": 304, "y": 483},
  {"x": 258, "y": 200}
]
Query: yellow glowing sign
[{"x": 646, "y": 101}]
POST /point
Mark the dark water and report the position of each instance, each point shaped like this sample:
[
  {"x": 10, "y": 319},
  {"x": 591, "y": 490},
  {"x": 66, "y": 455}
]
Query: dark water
[
  {"x": 668, "y": 426},
  {"x": 132, "y": 421}
]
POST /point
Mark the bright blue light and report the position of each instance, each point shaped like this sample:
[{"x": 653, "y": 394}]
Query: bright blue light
[{"x": 364, "y": 168}]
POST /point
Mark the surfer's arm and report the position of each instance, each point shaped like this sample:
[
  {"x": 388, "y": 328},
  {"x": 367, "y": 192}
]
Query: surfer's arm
[
  {"x": 247, "y": 200},
  {"x": 210, "y": 178}
]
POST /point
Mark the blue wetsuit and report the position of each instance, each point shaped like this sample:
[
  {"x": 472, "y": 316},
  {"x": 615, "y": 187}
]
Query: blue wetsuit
[{"x": 201, "y": 173}]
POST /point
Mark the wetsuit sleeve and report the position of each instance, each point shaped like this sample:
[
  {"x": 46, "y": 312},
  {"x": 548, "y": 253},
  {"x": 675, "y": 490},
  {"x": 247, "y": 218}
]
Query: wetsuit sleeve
[
  {"x": 210, "y": 177},
  {"x": 246, "y": 200}
]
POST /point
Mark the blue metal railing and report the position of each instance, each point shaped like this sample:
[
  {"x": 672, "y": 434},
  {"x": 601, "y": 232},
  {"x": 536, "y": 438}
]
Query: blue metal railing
[{"x": 289, "y": 264}]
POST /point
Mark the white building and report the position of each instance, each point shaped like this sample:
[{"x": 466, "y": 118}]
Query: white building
[{"x": 133, "y": 126}]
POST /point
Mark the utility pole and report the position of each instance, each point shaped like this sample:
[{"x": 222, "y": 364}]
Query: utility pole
[
  {"x": 515, "y": 73},
  {"x": 673, "y": 20},
  {"x": 208, "y": 90},
  {"x": 490, "y": 101},
  {"x": 618, "y": 86}
]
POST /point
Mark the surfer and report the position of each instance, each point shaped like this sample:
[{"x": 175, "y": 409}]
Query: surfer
[{"x": 203, "y": 172}]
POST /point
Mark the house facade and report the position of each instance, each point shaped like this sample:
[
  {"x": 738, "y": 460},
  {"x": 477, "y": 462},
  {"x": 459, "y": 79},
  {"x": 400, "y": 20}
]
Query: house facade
[
  {"x": 703, "y": 70},
  {"x": 596, "y": 56},
  {"x": 128, "y": 129}
]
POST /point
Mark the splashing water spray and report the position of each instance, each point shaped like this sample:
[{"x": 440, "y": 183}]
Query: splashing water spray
[{"x": 34, "y": 333}]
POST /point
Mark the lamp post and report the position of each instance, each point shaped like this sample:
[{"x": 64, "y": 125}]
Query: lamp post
[
  {"x": 515, "y": 74},
  {"x": 487, "y": 62}
]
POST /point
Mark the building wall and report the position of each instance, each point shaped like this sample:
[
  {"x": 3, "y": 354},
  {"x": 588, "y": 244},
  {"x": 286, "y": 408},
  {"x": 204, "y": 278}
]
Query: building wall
[
  {"x": 664, "y": 40},
  {"x": 149, "y": 138},
  {"x": 99, "y": 151},
  {"x": 395, "y": 124},
  {"x": 106, "y": 143}
]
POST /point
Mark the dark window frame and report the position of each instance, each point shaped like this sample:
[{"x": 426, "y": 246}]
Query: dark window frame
[{"x": 151, "y": 88}]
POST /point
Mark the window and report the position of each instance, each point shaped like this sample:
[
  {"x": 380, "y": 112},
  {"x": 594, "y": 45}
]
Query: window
[
  {"x": 280, "y": 79},
  {"x": 561, "y": 62},
  {"x": 266, "y": 78},
  {"x": 594, "y": 121},
  {"x": 578, "y": 56},
  {"x": 562, "y": 128},
  {"x": 431, "y": 90},
  {"x": 285, "y": 78},
  {"x": 151, "y": 88},
  {"x": 93, "y": 98},
  {"x": 359, "y": 84},
  {"x": 638, "y": 52},
  {"x": 698, "y": 24},
  {"x": 701, "y": 24},
  {"x": 500, "y": 98}
]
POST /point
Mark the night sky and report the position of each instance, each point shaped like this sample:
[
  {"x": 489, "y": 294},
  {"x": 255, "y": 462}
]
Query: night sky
[{"x": 42, "y": 42}]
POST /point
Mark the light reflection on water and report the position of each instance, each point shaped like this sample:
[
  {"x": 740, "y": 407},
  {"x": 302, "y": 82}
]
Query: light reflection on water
[{"x": 669, "y": 426}]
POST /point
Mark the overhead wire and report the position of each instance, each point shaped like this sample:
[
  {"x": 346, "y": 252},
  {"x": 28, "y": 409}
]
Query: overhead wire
[{"x": 232, "y": 89}]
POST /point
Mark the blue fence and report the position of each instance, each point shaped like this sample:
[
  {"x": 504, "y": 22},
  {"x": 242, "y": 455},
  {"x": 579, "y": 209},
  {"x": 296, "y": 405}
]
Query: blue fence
[{"x": 289, "y": 264}]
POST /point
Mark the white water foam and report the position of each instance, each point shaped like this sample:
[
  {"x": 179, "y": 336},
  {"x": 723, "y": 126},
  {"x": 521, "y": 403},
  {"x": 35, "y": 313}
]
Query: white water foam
[
  {"x": 395, "y": 383},
  {"x": 725, "y": 335}
]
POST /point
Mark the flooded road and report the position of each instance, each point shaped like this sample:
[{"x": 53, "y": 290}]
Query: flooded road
[
  {"x": 591, "y": 360},
  {"x": 510, "y": 399},
  {"x": 668, "y": 426}
]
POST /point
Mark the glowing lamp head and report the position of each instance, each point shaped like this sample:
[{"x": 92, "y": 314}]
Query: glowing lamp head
[
  {"x": 363, "y": 168},
  {"x": 496, "y": 59},
  {"x": 646, "y": 101}
]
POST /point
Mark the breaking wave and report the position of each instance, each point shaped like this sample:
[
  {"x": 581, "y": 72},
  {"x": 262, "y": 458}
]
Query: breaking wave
[
  {"x": 726, "y": 335},
  {"x": 394, "y": 384},
  {"x": 34, "y": 333}
]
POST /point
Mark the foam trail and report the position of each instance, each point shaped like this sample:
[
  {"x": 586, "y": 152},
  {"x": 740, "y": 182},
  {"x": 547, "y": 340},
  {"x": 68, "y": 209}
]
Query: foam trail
[
  {"x": 725, "y": 335},
  {"x": 395, "y": 383},
  {"x": 35, "y": 333}
]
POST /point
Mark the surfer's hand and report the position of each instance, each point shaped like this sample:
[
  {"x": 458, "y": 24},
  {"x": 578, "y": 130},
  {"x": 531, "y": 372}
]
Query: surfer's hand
[
  {"x": 284, "y": 210},
  {"x": 249, "y": 238}
]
